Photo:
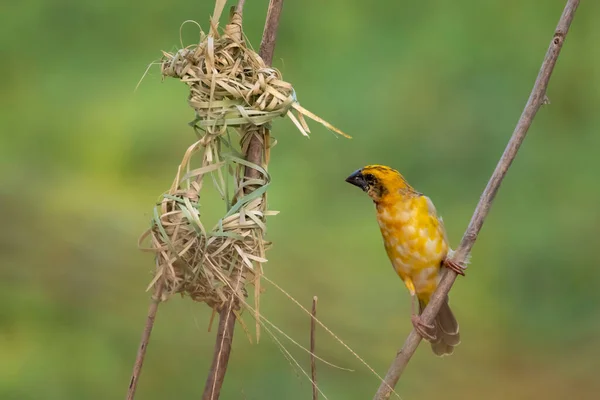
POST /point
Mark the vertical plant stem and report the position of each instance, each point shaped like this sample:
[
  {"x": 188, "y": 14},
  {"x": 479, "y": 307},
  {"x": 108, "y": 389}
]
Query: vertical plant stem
[
  {"x": 141, "y": 354},
  {"x": 254, "y": 154},
  {"x": 313, "y": 364}
]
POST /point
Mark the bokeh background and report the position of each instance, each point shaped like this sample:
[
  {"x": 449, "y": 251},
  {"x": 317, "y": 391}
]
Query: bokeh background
[{"x": 433, "y": 88}]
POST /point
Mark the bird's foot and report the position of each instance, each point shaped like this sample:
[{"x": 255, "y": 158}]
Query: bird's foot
[
  {"x": 427, "y": 332},
  {"x": 459, "y": 268}
]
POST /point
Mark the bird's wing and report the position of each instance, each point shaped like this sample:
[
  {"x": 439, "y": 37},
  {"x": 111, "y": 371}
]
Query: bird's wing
[{"x": 433, "y": 214}]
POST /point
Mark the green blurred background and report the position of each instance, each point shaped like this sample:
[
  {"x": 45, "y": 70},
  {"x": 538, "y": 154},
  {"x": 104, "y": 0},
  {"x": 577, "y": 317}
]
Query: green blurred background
[{"x": 433, "y": 88}]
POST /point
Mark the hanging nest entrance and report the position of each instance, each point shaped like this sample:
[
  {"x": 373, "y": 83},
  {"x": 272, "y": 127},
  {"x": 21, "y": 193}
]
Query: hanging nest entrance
[{"x": 231, "y": 90}]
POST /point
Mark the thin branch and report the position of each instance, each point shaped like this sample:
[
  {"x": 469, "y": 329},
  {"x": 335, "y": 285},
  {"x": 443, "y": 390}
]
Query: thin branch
[
  {"x": 536, "y": 99},
  {"x": 254, "y": 154},
  {"x": 239, "y": 9},
  {"x": 313, "y": 364},
  {"x": 267, "y": 45},
  {"x": 139, "y": 360},
  {"x": 258, "y": 142},
  {"x": 216, "y": 375}
]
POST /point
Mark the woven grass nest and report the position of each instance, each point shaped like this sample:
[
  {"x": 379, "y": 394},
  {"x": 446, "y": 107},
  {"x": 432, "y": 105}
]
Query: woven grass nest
[
  {"x": 230, "y": 87},
  {"x": 212, "y": 266}
]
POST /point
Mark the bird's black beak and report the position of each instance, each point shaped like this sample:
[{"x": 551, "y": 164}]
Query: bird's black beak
[{"x": 357, "y": 179}]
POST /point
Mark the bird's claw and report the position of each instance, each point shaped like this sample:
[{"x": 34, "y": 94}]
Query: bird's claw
[
  {"x": 427, "y": 332},
  {"x": 454, "y": 266}
]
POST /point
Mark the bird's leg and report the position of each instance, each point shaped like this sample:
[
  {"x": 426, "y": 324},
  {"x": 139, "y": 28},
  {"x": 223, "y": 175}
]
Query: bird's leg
[
  {"x": 426, "y": 331},
  {"x": 454, "y": 266}
]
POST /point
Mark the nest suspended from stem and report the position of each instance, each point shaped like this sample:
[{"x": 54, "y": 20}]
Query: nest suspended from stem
[
  {"x": 230, "y": 87},
  {"x": 211, "y": 266}
]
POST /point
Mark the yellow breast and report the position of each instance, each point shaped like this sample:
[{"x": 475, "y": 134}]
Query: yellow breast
[{"x": 415, "y": 242}]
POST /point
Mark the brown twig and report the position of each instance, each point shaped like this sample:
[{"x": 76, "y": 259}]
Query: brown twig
[
  {"x": 267, "y": 45},
  {"x": 216, "y": 375},
  {"x": 239, "y": 8},
  {"x": 536, "y": 99},
  {"x": 313, "y": 364},
  {"x": 258, "y": 141},
  {"x": 254, "y": 154},
  {"x": 139, "y": 360}
]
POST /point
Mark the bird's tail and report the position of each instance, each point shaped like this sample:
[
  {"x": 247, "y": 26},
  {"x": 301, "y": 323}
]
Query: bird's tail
[{"x": 446, "y": 330}]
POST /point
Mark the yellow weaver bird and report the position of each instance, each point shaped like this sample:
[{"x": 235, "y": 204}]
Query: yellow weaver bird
[{"x": 416, "y": 243}]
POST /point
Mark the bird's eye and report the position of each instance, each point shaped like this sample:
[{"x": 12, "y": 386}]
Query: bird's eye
[{"x": 370, "y": 178}]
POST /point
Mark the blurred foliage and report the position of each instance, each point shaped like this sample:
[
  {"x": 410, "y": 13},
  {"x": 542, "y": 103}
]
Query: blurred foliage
[{"x": 433, "y": 88}]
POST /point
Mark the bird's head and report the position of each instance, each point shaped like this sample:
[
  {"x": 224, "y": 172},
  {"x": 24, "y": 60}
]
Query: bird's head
[{"x": 381, "y": 183}]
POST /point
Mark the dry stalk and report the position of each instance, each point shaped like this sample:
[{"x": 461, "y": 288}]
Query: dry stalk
[
  {"x": 141, "y": 354},
  {"x": 255, "y": 154},
  {"x": 536, "y": 100},
  {"x": 313, "y": 364}
]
